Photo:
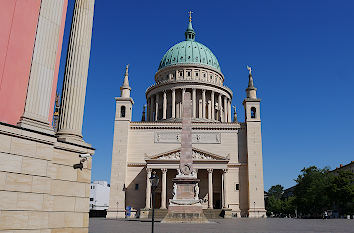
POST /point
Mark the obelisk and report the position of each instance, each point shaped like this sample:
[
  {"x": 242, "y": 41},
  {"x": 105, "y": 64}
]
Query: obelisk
[
  {"x": 185, "y": 205},
  {"x": 186, "y": 159}
]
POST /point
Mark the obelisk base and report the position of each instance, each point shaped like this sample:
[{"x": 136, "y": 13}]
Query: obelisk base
[{"x": 185, "y": 206}]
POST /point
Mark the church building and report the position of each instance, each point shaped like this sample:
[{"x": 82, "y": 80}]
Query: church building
[{"x": 227, "y": 154}]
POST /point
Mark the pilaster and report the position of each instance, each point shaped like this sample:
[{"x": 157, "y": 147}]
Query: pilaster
[{"x": 41, "y": 77}]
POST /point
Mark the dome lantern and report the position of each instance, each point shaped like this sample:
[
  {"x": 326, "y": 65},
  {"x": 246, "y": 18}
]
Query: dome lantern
[{"x": 190, "y": 33}]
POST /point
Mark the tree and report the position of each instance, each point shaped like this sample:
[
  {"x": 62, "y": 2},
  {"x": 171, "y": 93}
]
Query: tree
[
  {"x": 288, "y": 207},
  {"x": 341, "y": 191},
  {"x": 274, "y": 202},
  {"x": 310, "y": 192},
  {"x": 276, "y": 191}
]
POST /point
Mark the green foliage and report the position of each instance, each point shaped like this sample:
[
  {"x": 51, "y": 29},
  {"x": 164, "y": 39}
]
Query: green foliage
[
  {"x": 310, "y": 191},
  {"x": 316, "y": 191},
  {"x": 276, "y": 191},
  {"x": 276, "y": 204},
  {"x": 341, "y": 191}
]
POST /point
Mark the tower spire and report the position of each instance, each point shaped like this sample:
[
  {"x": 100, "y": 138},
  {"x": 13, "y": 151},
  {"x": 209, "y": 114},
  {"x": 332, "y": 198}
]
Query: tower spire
[
  {"x": 190, "y": 33},
  {"x": 125, "y": 89},
  {"x": 251, "y": 90}
]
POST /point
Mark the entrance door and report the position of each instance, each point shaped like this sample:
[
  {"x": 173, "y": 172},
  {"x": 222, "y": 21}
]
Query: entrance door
[
  {"x": 217, "y": 200},
  {"x": 157, "y": 201}
]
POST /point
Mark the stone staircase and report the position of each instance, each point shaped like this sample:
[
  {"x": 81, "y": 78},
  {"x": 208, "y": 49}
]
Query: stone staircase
[
  {"x": 209, "y": 213},
  {"x": 213, "y": 213},
  {"x": 159, "y": 213}
]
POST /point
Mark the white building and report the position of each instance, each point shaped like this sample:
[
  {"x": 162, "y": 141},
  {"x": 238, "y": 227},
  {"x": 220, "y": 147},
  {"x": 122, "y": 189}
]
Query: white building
[
  {"x": 226, "y": 153},
  {"x": 99, "y": 195}
]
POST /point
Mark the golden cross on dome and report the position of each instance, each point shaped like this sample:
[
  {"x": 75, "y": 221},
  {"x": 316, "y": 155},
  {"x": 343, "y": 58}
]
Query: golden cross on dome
[{"x": 190, "y": 16}]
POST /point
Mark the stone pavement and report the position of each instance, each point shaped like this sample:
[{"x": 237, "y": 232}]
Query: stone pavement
[{"x": 244, "y": 225}]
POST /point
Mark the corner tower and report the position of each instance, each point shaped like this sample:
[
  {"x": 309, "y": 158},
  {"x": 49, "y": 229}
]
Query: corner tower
[
  {"x": 122, "y": 120},
  {"x": 254, "y": 151}
]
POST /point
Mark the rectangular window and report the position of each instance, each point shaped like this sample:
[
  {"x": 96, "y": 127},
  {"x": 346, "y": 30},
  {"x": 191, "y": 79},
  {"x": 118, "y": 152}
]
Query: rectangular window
[
  {"x": 237, "y": 187},
  {"x": 91, "y": 199},
  {"x": 136, "y": 186}
]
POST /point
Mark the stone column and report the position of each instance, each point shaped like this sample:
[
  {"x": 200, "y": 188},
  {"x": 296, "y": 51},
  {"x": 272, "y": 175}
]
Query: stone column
[
  {"x": 173, "y": 103},
  {"x": 220, "y": 108},
  {"x": 224, "y": 177},
  {"x": 164, "y": 114},
  {"x": 225, "y": 109},
  {"x": 147, "y": 114},
  {"x": 164, "y": 188},
  {"x": 203, "y": 103},
  {"x": 209, "y": 109},
  {"x": 148, "y": 189},
  {"x": 76, "y": 70},
  {"x": 210, "y": 186},
  {"x": 152, "y": 102},
  {"x": 200, "y": 106},
  {"x": 229, "y": 110},
  {"x": 182, "y": 96},
  {"x": 39, "y": 91},
  {"x": 156, "y": 106},
  {"x": 194, "y": 102},
  {"x": 212, "y": 105},
  {"x": 183, "y": 91}
]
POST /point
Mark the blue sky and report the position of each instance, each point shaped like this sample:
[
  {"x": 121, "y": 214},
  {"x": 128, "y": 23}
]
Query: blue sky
[{"x": 302, "y": 54}]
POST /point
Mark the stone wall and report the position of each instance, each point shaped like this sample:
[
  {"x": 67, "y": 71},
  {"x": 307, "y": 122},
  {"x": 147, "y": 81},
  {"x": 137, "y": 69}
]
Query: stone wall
[{"x": 39, "y": 189}]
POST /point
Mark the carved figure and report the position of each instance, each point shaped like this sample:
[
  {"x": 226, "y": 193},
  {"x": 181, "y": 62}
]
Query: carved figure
[
  {"x": 196, "y": 191},
  {"x": 249, "y": 70},
  {"x": 174, "y": 191}
]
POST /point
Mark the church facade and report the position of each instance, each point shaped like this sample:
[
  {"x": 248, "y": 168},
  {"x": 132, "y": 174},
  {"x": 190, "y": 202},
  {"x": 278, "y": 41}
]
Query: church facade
[{"x": 227, "y": 154}]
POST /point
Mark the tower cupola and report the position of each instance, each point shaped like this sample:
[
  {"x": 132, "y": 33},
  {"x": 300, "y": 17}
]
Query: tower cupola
[{"x": 190, "y": 33}]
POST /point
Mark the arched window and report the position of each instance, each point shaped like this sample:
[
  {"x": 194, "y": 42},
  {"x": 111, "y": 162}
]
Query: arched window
[
  {"x": 122, "y": 111},
  {"x": 253, "y": 112}
]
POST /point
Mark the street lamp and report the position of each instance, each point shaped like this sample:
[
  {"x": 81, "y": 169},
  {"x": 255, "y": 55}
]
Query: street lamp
[
  {"x": 154, "y": 180},
  {"x": 254, "y": 207}
]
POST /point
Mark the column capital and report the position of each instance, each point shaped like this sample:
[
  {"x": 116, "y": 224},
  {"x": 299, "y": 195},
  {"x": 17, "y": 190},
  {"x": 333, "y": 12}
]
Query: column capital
[
  {"x": 210, "y": 170},
  {"x": 225, "y": 170},
  {"x": 148, "y": 170},
  {"x": 164, "y": 170},
  {"x": 203, "y": 90}
]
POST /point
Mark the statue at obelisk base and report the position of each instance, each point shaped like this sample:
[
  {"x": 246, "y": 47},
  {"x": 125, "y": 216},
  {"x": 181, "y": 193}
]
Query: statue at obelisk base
[{"x": 185, "y": 205}]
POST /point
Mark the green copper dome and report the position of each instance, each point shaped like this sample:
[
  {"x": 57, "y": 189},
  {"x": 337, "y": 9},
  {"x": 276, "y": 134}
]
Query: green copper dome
[{"x": 189, "y": 52}]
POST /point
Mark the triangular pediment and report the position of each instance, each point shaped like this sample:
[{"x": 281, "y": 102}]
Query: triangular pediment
[{"x": 196, "y": 153}]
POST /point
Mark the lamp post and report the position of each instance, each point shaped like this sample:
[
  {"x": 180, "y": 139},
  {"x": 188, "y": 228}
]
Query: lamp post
[
  {"x": 154, "y": 179},
  {"x": 254, "y": 207}
]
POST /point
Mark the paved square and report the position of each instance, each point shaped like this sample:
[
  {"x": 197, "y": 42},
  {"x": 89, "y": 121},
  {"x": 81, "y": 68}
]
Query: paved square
[{"x": 244, "y": 225}]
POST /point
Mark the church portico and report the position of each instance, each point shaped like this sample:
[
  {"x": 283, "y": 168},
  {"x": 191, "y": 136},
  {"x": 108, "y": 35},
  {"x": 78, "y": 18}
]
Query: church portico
[
  {"x": 211, "y": 187},
  {"x": 210, "y": 170}
]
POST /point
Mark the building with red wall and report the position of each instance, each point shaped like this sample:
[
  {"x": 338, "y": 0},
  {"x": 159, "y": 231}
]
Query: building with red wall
[{"x": 19, "y": 23}]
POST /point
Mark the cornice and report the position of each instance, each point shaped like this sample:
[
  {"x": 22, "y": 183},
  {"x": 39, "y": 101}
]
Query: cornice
[{"x": 178, "y": 126}]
